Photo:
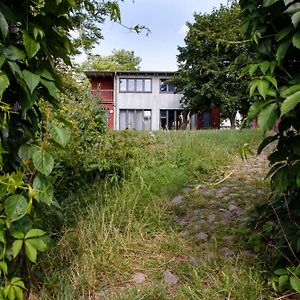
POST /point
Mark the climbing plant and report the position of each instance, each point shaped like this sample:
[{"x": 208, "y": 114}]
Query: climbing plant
[
  {"x": 34, "y": 38},
  {"x": 273, "y": 26}
]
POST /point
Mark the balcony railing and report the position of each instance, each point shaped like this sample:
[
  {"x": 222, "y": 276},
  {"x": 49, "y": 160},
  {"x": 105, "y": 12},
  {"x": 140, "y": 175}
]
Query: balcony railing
[{"x": 104, "y": 96}]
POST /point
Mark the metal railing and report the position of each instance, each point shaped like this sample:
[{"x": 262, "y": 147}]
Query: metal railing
[{"x": 104, "y": 96}]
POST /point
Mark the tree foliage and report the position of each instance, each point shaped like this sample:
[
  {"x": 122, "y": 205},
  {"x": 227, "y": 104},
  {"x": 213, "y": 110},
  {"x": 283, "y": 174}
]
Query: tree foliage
[
  {"x": 274, "y": 28},
  {"x": 210, "y": 63},
  {"x": 119, "y": 60}
]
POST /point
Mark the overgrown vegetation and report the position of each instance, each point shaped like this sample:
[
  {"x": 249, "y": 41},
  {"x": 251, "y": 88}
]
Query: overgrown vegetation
[
  {"x": 34, "y": 41},
  {"x": 126, "y": 226},
  {"x": 274, "y": 28}
]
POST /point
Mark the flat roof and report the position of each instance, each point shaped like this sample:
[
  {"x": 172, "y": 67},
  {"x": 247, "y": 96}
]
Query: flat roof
[{"x": 108, "y": 73}]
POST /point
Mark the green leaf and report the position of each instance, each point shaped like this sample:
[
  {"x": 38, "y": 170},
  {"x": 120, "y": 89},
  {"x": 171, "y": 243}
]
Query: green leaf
[
  {"x": 2, "y": 60},
  {"x": 32, "y": 80},
  {"x": 13, "y": 53},
  {"x": 296, "y": 39},
  {"x": 253, "y": 86},
  {"x": 283, "y": 33},
  {"x": 290, "y": 91},
  {"x": 16, "y": 247},
  {"x": 16, "y": 207},
  {"x": 282, "y": 50},
  {"x": 38, "y": 31},
  {"x": 26, "y": 151},
  {"x": 3, "y": 267},
  {"x": 30, "y": 251},
  {"x": 295, "y": 283},
  {"x": 47, "y": 75},
  {"x": 293, "y": 8},
  {"x": 283, "y": 279},
  {"x": 59, "y": 135},
  {"x": 263, "y": 87},
  {"x": 51, "y": 87},
  {"x": 18, "y": 292},
  {"x": 31, "y": 45},
  {"x": 44, "y": 189},
  {"x": 18, "y": 235},
  {"x": 43, "y": 162},
  {"x": 267, "y": 117},
  {"x": 16, "y": 281},
  {"x": 290, "y": 103},
  {"x": 298, "y": 185},
  {"x": 253, "y": 69},
  {"x": 296, "y": 19},
  {"x": 255, "y": 108},
  {"x": 2, "y": 236},
  {"x": 287, "y": 2},
  {"x": 34, "y": 233},
  {"x": 11, "y": 294},
  {"x": 3, "y": 26},
  {"x": 267, "y": 3},
  {"x": 264, "y": 66},
  {"x": 15, "y": 69},
  {"x": 272, "y": 80},
  {"x": 4, "y": 83},
  {"x": 39, "y": 244}
]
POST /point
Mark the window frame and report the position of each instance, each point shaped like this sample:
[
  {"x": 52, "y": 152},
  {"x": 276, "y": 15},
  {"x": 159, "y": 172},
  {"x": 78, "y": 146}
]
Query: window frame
[{"x": 135, "y": 85}]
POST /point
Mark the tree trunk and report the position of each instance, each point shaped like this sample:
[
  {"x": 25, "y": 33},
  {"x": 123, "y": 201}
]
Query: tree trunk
[{"x": 232, "y": 121}]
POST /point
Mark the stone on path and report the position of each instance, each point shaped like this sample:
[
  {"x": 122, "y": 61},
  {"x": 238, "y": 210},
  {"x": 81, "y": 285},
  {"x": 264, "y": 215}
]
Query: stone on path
[
  {"x": 170, "y": 279},
  {"x": 211, "y": 218},
  {"x": 226, "y": 251},
  {"x": 178, "y": 200},
  {"x": 139, "y": 278},
  {"x": 201, "y": 236},
  {"x": 233, "y": 207}
]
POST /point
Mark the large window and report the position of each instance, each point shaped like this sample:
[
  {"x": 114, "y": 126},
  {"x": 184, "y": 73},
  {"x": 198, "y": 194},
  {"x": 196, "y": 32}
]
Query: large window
[
  {"x": 166, "y": 87},
  {"x": 171, "y": 119},
  {"x": 135, "y": 85},
  {"x": 139, "y": 119}
]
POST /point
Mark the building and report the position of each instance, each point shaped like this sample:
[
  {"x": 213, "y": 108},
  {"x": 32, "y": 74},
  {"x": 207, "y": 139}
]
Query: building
[{"x": 140, "y": 100}]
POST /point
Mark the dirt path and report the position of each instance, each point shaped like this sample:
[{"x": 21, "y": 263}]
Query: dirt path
[{"x": 213, "y": 213}]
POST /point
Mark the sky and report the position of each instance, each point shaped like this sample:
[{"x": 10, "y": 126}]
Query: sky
[{"x": 166, "y": 20}]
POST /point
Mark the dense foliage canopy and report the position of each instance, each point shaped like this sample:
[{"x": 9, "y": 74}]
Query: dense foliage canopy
[{"x": 210, "y": 63}]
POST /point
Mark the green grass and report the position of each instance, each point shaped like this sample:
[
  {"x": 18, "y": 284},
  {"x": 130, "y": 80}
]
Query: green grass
[{"x": 129, "y": 228}]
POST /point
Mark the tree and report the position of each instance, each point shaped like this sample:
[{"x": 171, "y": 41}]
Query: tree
[
  {"x": 274, "y": 28},
  {"x": 210, "y": 63},
  {"x": 119, "y": 60}
]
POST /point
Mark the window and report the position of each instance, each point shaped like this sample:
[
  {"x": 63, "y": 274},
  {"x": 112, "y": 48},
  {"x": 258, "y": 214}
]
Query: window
[
  {"x": 148, "y": 83},
  {"x": 171, "y": 119},
  {"x": 132, "y": 85},
  {"x": 135, "y": 119},
  {"x": 122, "y": 85},
  {"x": 166, "y": 87}
]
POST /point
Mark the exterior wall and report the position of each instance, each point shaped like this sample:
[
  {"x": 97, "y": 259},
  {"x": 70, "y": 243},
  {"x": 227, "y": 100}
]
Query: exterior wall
[
  {"x": 103, "y": 91},
  {"x": 154, "y": 101}
]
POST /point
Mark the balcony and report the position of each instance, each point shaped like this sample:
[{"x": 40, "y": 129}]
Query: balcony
[{"x": 104, "y": 96}]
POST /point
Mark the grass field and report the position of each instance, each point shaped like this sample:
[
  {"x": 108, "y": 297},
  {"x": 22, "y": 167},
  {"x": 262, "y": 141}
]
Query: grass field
[{"x": 128, "y": 228}]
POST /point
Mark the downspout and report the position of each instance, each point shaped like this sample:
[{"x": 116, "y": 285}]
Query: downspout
[{"x": 116, "y": 99}]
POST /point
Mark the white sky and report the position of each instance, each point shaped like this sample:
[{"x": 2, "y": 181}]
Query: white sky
[{"x": 165, "y": 18}]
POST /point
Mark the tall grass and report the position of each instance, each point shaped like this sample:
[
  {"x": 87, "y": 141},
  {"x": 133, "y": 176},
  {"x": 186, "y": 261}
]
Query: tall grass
[{"x": 128, "y": 227}]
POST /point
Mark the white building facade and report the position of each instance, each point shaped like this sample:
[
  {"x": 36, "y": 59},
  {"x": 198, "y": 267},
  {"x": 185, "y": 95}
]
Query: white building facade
[{"x": 137, "y": 99}]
